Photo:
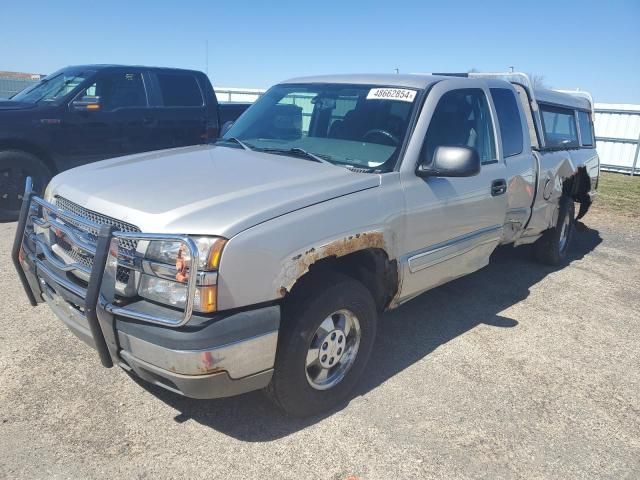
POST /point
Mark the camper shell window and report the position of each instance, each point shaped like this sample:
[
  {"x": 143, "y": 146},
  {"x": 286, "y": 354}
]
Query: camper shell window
[{"x": 559, "y": 127}]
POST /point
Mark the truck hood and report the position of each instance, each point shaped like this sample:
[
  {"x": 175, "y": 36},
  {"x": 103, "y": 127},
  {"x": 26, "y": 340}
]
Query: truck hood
[{"x": 206, "y": 190}]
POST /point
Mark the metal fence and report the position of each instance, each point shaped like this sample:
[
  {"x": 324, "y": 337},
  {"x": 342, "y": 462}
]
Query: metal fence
[
  {"x": 618, "y": 137},
  {"x": 9, "y": 86},
  {"x": 239, "y": 94}
]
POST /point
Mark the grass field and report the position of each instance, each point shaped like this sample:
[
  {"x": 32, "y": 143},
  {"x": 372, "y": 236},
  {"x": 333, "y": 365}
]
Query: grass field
[{"x": 618, "y": 193}]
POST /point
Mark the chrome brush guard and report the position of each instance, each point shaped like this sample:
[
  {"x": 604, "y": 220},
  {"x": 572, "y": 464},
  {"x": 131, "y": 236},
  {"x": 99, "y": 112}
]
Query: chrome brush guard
[{"x": 89, "y": 288}]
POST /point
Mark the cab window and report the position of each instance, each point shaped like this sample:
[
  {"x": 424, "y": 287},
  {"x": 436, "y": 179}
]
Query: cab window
[
  {"x": 117, "y": 90},
  {"x": 508, "y": 121},
  {"x": 179, "y": 90},
  {"x": 559, "y": 125},
  {"x": 462, "y": 119},
  {"x": 586, "y": 131}
]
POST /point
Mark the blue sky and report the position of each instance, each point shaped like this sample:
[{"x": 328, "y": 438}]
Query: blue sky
[{"x": 593, "y": 45}]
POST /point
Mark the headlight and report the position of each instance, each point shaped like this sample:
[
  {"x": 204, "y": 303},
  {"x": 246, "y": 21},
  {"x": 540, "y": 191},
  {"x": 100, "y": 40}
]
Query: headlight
[
  {"x": 175, "y": 293},
  {"x": 167, "y": 269},
  {"x": 209, "y": 249}
]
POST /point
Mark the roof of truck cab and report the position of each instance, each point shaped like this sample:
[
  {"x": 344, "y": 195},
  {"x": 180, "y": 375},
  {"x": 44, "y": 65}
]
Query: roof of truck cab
[
  {"x": 108, "y": 66},
  {"x": 563, "y": 99},
  {"x": 424, "y": 81},
  {"x": 386, "y": 79}
]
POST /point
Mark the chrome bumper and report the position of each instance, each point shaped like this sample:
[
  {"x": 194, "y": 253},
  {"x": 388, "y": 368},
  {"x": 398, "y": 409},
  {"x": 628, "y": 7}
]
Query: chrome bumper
[
  {"x": 239, "y": 359},
  {"x": 232, "y": 368}
]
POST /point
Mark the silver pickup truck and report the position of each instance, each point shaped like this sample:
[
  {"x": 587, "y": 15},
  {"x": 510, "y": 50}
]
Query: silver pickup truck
[{"x": 264, "y": 261}]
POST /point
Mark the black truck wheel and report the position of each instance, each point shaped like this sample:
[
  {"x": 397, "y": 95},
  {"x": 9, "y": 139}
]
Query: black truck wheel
[
  {"x": 552, "y": 247},
  {"x": 15, "y": 167},
  {"x": 326, "y": 338}
]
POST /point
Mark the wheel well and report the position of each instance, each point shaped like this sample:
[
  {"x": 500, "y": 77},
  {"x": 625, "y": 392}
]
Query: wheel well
[
  {"x": 370, "y": 266},
  {"x": 17, "y": 144},
  {"x": 578, "y": 184},
  {"x": 578, "y": 187}
]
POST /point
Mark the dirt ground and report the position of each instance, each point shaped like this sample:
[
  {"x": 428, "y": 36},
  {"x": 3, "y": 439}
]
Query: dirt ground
[{"x": 516, "y": 371}]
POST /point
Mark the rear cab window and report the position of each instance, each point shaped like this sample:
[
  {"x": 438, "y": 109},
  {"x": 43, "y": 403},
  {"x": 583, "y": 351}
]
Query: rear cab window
[
  {"x": 509, "y": 121},
  {"x": 559, "y": 126},
  {"x": 179, "y": 90},
  {"x": 586, "y": 129}
]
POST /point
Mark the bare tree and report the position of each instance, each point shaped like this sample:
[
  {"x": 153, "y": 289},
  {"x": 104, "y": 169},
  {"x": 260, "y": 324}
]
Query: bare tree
[{"x": 537, "y": 81}]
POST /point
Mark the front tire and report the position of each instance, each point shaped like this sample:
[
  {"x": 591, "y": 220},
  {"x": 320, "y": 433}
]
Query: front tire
[
  {"x": 15, "y": 167},
  {"x": 554, "y": 244},
  {"x": 328, "y": 330}
]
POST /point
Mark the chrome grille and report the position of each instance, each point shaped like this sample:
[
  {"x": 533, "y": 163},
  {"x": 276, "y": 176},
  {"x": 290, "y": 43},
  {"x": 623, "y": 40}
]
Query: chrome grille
[
  {"x": 64, "y": 204},
  {"x": 125, "y": 246}
]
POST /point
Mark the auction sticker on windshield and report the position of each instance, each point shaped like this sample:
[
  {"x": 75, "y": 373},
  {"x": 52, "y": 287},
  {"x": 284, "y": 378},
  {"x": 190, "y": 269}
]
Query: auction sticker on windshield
[{"x": 402, "y": 94}]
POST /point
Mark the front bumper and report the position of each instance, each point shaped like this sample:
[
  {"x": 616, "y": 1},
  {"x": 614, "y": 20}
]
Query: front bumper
[
  {"x": 208, "y": 357},
  {"x": 229, "y": 356}
]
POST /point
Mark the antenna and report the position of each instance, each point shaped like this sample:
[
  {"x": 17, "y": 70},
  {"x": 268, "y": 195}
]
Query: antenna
[{"x": 206, "y": 54}]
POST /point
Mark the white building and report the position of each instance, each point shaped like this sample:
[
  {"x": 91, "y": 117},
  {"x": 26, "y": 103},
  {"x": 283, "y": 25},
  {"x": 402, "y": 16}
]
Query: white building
[{"x": 617, "y": 128}]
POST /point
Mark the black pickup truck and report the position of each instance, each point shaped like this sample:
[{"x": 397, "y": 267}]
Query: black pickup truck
[{"x": 86, "y": 113}]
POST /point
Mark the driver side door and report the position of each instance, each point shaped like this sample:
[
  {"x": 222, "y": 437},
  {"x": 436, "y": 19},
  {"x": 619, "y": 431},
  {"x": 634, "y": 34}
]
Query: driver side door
[
  {"x": 453, "y": 224},
  {"x": 118, "y": 127}
]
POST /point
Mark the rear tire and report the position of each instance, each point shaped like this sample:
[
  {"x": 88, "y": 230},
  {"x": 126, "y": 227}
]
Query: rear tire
[
  {"x": 15, "y": 167},
  {"x": 554, "y": 244},
  {"x": 326, "y": 338}
]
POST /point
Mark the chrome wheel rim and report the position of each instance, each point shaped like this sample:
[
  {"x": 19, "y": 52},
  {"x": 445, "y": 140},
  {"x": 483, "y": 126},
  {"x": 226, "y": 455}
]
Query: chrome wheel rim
[
  {"x": 333, "y": 350},
  {"x": 564, "y": 233}
]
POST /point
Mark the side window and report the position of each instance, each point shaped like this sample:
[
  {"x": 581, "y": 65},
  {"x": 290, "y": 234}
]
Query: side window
[
  {"x": 508, "y": 121},
  {"x": 462, "y": 119},
  {"x": 179, "y": 90},
  {"x": 586, "y": 132},
  {"x": 525, "y": 103},
  {"x": 559, "y": 125},
  {"x": 118, "y": 90}
]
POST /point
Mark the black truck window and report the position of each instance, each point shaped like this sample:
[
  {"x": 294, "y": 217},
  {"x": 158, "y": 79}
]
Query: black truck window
[
  {"x": 509, "y": 121},
  {"x": 118, "y": 90},
  {"x": 179, "y": 90}
]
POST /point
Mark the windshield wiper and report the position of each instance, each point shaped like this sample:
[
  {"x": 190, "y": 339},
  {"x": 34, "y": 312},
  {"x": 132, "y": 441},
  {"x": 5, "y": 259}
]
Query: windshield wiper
[
  {"x": 299, "y": 151},
  {"x": 238, "y": 141}
]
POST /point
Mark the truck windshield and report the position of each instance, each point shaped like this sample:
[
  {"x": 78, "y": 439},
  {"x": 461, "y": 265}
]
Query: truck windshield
[
  {"x": 362, "y": 126},
  {"x": 52, "y": 88}
]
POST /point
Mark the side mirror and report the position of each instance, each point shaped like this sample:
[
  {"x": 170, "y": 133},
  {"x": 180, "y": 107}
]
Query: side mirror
[
  {"x": 86, "y": 104},
  {"x": 226, "y": 126},
  {"x": 451, "y": 162}
]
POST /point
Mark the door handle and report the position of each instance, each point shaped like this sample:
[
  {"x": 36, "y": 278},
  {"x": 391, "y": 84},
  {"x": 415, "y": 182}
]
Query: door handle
[{"x": 498, "y": 187}]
